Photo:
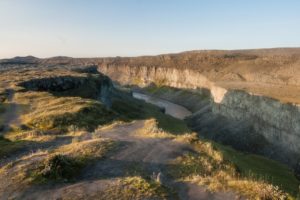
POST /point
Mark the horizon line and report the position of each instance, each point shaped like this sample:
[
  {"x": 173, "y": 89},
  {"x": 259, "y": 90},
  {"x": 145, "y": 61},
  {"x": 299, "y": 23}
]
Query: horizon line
[{"x": 153, "y": 55}]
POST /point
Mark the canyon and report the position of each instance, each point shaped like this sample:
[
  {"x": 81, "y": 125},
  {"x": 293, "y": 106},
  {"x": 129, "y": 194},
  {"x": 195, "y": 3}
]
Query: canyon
[
  {"x": 214, "y": 114},
  {"x": 256, "y": 93},
  {"x": 259, "y": 97}
]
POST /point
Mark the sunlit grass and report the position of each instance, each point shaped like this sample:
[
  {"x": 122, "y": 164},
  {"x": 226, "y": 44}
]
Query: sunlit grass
[
  {"x": 49, "y": 112},
  {"x": 133, "y": 109}
]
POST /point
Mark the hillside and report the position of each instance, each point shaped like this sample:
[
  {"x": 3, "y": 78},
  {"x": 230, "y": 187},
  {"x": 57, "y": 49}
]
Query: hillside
[{"x": 68, "y": 132}]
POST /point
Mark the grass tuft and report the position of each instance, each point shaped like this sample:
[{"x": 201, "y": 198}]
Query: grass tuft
[
  {"x": 212, "y": 166},
  {"x": 60, "y": 167},
  {"x": 136, "y": 187}
]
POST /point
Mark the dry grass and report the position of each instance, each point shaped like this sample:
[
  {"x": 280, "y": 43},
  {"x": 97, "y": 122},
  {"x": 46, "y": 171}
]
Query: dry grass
[
  {"x": 49, "y": 112},
  {"x": 18, "y": 174},
  {"x": 125, "y": 188},
  {"x": 109, "y": 126},
  {"x": 208, "y": 167},
  {"x": 222, "y": 181},
  {"x": 32, "y": 135},
  {"x": 151, "y": 130},
  {"x": 44, "y": 111},
  {"x": 135, "y": 188},
  {"x": 89, "y": 149},
  {"x": 65, "y": 162},
  {"x": 31, "y": 168}
]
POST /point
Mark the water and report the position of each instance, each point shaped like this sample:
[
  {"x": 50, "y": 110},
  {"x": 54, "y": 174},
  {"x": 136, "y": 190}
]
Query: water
[{"x": 172, "y": 109}]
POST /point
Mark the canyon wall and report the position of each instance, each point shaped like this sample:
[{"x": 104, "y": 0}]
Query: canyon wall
[
  {"x": 144, "y": 75},
  {"x": 247, "y": 115},
  {"x": 277, "y": 122}
]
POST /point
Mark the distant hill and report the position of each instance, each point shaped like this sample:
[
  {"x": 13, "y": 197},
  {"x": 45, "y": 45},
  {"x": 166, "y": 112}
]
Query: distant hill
[{"x": 20, "y": 60}]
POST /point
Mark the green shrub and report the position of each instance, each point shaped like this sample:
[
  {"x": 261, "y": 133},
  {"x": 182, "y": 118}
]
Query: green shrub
[{"x": 60, "y": 167}]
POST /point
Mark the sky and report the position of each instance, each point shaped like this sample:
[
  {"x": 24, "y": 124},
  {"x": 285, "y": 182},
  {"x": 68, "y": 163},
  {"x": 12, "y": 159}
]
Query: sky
[{"x": 98, "y": 28}]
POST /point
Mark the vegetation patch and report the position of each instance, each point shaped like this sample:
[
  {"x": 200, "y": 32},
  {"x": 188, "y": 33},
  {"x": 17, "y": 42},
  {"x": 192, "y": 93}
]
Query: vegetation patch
[
  {"x": 213, "y": 167},
  {"x": 88, "y": 149},
  {"x": 136, "y": 187},
  {"x": 261, "y": 168},
  {"x": 67, "y": 161},
  {"x": 8, "y": 147},
  {"x": 33, "y": 135},
  {"x": 60, "y": 167},
  {"x": 49, "y": 112},
  {"x": 152, "y": 130},
  {"x": 134, "y": 109},
  {"x": 88, "y": 117},
  {"x": 61, "y": 164}
]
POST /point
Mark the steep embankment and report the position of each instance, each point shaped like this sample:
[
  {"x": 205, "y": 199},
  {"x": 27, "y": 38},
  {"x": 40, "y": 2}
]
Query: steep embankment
[{"x": 253, "y": 95}]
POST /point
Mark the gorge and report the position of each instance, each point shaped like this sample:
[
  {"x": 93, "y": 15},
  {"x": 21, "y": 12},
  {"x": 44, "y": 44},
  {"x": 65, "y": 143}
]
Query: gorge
[
  {"x": 255, "y": 115},
  {"x": 217, "y": 118}
]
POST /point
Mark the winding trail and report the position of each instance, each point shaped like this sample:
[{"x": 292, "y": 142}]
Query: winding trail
[
  {"x": 10, "y": 116},
  {"x": 153, "y": 154},
  {"x": 148, "y": 154}
]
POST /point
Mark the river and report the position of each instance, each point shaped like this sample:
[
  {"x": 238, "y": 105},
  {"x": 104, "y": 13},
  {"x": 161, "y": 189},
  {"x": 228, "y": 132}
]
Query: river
[{"x": 172, "y": 109}]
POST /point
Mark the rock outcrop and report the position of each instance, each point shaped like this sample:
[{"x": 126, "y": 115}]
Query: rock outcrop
[
  {"x": 95, "y": 86},
  {"x": 277, "y": 122},
  {"x": 55, "y": 84}
]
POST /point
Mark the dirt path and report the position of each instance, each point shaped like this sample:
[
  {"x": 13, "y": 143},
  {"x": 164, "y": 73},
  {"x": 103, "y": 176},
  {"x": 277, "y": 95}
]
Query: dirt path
[
  {"x": 136, "y": 155},
  {"x": 10, "y": 116},
  {"x": 150, "y": 154},
  {"x": 154, "y": 154}
]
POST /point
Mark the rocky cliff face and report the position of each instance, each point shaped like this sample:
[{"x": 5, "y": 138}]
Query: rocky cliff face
[
  {"x": 264, "y": 124},
  {"x": 143, "y": 76},
  {"x": 277, "y": 122}
]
